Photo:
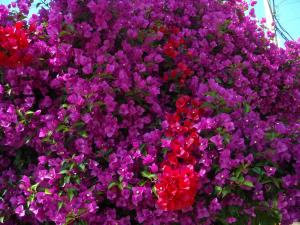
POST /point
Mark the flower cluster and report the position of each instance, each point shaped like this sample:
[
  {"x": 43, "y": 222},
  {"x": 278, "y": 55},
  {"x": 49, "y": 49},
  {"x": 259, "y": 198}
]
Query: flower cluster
[
  {"x": 173, "y": 48},
  {"x": 178, "y": 184},
  {"x": 13, "y": 41},
  {"x": 147, "y": 112},
  {"x": 177, "y": 188}
]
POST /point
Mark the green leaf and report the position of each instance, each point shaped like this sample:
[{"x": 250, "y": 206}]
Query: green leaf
[
  {"x": 241, "y": 179},
  {"x": 218, "y": 189},
  {"x": 248, "y": 183},
  {"x": 143, "y": 149},
  {"x": 212, "y": 93},
  {"x": 1, "y": 219},
  {"x": 120, "y": 179},
  {"x": 112, "y": 184},
  {"x": 276, "y": 181},
  {"x": 34, "y": 187},
  {"x": 83, "y": 133},
  {"x": 149, "y": 175},
  {"x": 165, "y": 150},
  {"x": 220, "y": 130},
  {"x": 226, "y": 138},
  {"x": 266, "y": 217},
  {"x": 29, "y": 113},
  {"x": 72, "y": 165},
  {"x": 142, "y": 182},
  {"x": 60, "y": 205},
  {"x": 65, "y": 106},
  {"x": 225, "y": 191},
  {"x": 235, "y": 179},
  {"x": 79, "y": 124},
  {"x": 247, "y": 108},
  {"x": 258, "y": 170},
  {"x": 266, "y": 181},
  {"x": 66, "y": 180},
  {"x": 77, "y": 179},
  {"x": 81, "y": 211},
  {"x": 209, "y": 37},
  {"x": 81, "y": 222},
  {"x": 154, "y": 191},
  {"x": 271, "y": 135},
  {"x": 62, "y": 128},
  {"x": 120, "y": 186},
  {"x": 239, "y": 171},
  {"x": 70, "y": 218},
  {"x": 64, "y": 172},
  {"x": 81, "y": 166},
  {"x": 20, "y": 114},
  {"x": 71, "y": 193},
  {"x": 47, "y": 191},
  {"x": 48, "y": 140},
  {"x": 63, "y": 33},
  {"x": 30, "y": 199}
]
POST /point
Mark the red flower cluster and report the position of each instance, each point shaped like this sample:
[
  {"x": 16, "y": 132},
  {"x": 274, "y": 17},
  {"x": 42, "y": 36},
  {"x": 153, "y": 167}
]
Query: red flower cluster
[
  {"x": 173, "y": 48},
  {"x": 166, "y": 30},
  {"x": 13, "y": 43},
  {"x": 184, "y": 138},
  {"x": 182, "y": 72},
  {"x": 177, "y": 186}
]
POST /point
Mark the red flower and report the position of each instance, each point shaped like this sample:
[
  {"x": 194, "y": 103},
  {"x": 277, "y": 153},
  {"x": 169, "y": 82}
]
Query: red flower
[
  {"x": 183, "y": 150},
  {"x": 177, "y": 188},
  {"x": 192, "y": 141},
  {"x": 173, "y": 74},
  {"x": 169, "y": 49},
  {"x": 194, "y": 114},
  {"x": 174, "y": 30},
  {"x": 19, "y": 25},
  {"x": 32, "y": 27},
  {"x": 185, "y": 69},
  {"x": 182, "y": 102},
  {"x": 166, "y": 77},
  {"x": 13, "y": 44},
  {"x": 178, "y": 148},
  {"x": 173, "y": 118},
  {"x": 163, "y": 29},
  {"x": 173, "y": 160}
]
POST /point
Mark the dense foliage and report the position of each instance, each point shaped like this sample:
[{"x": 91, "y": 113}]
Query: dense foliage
[{"x": 147, "y": 112}]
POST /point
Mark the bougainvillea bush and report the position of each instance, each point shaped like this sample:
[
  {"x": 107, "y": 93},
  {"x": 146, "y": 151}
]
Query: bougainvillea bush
[{"x": 147, "y": 112}]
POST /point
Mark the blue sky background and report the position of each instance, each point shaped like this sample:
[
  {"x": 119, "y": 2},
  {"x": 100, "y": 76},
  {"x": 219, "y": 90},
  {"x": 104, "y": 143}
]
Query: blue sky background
[{"x": 287, "y": 13}]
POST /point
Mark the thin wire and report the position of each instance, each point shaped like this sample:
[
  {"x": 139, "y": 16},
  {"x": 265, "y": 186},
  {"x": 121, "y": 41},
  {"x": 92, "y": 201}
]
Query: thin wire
[
  {"x": 282, "y": 35},
  {"x": 278, "y": 26},
  {"x": 274, "y": 9},
  {"x": 273, "y": 14},
  {"x": 282, "y": 28}
]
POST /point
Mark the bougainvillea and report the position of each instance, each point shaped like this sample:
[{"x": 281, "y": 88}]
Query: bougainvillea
[
  {"x": 13, "y": 41},
  {"x": 147, "y": 112},
  {"x": 177, "y": 188}
]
